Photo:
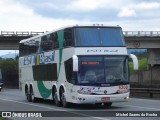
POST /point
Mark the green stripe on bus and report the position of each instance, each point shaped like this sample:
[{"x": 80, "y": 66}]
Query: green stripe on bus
[
  {"x": 45, "y": 93},
  {"x": 60, "y": 40}
]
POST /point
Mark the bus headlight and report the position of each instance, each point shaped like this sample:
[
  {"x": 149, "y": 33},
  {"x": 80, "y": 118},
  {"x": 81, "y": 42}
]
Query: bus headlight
[{"x": 126, "y": 98}]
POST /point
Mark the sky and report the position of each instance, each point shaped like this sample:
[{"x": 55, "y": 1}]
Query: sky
[{"x": 47, "y": 15}]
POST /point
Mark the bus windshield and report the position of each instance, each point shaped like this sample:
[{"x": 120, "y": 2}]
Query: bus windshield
[
  {"x": 106, "y": 70},
  {"x": 99, "y": 36}
]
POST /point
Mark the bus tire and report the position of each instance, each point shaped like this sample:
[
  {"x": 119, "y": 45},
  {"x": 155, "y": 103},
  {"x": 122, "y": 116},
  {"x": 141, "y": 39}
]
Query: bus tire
[
  {"x": 28, "y": 97},
  {"x": 57, "y": 102},
  {"x": 108, "y": 104},
  {"x": 27, "y": 93},
  {"x": 63, "y": 99},
  {"x": 32, "y": 97},
  {"x": 53, "y": 94}
]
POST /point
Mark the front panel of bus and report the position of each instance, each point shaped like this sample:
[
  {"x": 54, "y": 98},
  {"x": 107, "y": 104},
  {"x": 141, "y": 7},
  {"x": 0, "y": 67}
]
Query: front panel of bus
[{"x": 102, "y": 74}]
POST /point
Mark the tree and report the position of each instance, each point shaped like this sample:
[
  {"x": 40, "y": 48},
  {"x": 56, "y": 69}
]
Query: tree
[{"x": 9, "y": 69}]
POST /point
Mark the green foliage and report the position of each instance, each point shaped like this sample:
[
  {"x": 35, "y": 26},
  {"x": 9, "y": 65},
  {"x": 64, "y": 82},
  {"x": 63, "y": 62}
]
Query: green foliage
[
  {"x": 8, "y": 67},
  {"x": 1, "y": 118},
  {"x": 142, "y": 60},
  {"x": 142, "y": 64}
]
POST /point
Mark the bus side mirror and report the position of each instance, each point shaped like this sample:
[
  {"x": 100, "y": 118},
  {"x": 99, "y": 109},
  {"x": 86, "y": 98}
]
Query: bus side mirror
[
  {"x": 75, "y": 63},
  {"x": 135, "y": 61}
]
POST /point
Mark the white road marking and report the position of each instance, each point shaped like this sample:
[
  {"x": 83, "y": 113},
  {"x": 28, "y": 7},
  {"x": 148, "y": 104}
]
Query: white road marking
[
  {"x": 143, "y": 107},
  {"x": 31, "y": 104},
  {"x": 99, "y": 118}
]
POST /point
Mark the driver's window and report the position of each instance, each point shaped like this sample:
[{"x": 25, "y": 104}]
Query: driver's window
[{"x": 70, "y": 75}]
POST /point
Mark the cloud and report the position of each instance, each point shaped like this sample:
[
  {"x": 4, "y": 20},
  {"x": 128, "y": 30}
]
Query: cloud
[
  {"x": 9, "y": 7},
  {"x": 140, "y": 10},
  {"x": 17, "y": 17},
  {"x": 148, "y": 5},
  {"x": 126, "y": 12},
  {"x": 25, "y": 15},
  {"x": 92, "y": 5},
  {"x": 86, "y": 5}
]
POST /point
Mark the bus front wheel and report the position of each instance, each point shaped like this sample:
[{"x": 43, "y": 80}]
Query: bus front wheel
[{"x": 63, "y": 98}]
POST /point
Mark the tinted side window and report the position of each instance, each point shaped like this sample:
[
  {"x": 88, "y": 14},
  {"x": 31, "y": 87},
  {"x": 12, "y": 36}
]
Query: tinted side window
[
  {"x": 45, "y": 72},
  {"x": 49, "y": 42},
  {"x": 21, "y": 49},
  {"x": 68, "y": 37},
  {"x": 54, "y": 38},
  {"x": 29, "y": 47},
  {"x": 46, "y": 43},
  {"x": 32, "y": 48},
  {"x": 24, "y": 48}
]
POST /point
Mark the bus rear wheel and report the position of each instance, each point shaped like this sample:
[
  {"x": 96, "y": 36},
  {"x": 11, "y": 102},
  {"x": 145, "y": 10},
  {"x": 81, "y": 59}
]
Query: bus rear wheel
[
  {"x": 32, "y": 97},
  {"x": 57, "y": 102},
  {"x": 28, "y": 97}
]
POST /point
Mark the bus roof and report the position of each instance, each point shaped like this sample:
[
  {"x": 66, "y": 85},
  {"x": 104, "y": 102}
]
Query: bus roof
[{"x": 73, "y": 26}]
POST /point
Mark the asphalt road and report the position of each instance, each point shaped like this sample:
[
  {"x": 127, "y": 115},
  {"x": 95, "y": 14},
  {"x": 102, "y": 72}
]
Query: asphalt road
[{"x": 13, "y": 100}]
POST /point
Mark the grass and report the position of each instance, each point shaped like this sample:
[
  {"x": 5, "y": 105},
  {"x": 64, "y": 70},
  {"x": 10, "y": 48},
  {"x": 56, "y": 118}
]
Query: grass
[
  {"x": 1, "y": 118},
  {"x": 142, "y": 64}
]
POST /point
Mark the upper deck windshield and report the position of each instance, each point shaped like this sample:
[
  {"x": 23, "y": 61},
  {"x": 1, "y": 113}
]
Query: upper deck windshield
[
  {"x": 99, "y": 36},
  {"x": 103, "y": 70}
]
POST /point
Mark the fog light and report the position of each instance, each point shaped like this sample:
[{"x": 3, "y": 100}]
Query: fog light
[
  {"x": 126, "y": 98},
  {"x": 83, "y": 99}
]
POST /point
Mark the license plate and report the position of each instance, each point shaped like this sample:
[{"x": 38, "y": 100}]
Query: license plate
[{"x": 105, "y": 98}]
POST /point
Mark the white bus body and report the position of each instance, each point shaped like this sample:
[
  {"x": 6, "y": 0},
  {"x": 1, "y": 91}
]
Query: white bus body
[{"x": 60, "y": 66}]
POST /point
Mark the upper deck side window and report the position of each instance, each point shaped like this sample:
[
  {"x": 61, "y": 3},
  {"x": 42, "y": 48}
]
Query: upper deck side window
[
  {"x": 29, "y": 47},
  {"x": 102, "y": 36},
  {"x": 49, "y": 42},
  {"x": 68, "y": 37}
]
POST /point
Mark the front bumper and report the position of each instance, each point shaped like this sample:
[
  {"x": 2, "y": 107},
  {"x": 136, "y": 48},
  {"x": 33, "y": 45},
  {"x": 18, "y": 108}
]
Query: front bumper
[{"x": 92, "y": 99}]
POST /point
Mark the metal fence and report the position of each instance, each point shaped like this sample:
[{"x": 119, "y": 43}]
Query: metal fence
[
  {"x": 146, "y": 79},
  {"x": 145, "y": 84},
  {"x": 19, "y": 33},
  {"x": 141, "y": 33},
  {"x": 126, "y": 33}
]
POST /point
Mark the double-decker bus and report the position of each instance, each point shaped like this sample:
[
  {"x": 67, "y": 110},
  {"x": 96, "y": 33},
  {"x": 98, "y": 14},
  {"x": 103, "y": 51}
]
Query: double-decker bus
[{"x": 76, "y": 64}]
